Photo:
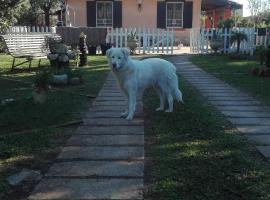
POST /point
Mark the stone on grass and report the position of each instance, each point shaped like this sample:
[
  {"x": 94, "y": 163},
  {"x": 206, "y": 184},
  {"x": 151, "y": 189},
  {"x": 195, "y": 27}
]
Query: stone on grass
[{"x": 24, "y": 175}]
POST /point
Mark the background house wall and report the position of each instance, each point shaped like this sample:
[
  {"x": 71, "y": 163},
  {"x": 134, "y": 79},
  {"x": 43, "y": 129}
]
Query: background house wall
[{"x": 147, "y": 17}]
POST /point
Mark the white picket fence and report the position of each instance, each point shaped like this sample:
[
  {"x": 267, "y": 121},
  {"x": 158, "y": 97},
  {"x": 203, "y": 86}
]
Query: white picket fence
[
  {"x": 200, "y": 40},
  {"x": 31, "y": 29},
  {"x": 149, "y": 40}
]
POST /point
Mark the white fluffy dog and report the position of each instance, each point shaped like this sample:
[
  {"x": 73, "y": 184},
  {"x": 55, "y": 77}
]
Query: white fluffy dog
[{"x": 134, "y": 76}]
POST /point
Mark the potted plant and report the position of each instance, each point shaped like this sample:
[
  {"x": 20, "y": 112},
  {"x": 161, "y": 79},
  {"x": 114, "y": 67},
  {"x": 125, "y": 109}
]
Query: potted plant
[
  {"x": 238, "y": 37},
  {"x": 216, "y": 44},
  {"x": 132, "y": 41},
  {"x": 41, "y": 84},
  {"x": 104, "y": 47}
]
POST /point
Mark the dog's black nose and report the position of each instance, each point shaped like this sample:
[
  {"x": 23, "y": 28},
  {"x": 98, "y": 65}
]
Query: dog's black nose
[{"x": 114, "y": 65}]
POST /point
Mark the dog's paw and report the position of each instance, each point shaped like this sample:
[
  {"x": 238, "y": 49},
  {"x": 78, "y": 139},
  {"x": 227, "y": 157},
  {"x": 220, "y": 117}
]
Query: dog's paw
[
  {"x": 159, "y": 109},
  {"x": 168, "y": 111},
  {"x": 129, "y": 118},
  {"x": 124, "y": 114}
]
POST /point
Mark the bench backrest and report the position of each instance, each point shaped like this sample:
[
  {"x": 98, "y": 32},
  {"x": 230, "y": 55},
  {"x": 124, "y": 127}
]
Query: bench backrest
[{"x": 30, "y": 43}]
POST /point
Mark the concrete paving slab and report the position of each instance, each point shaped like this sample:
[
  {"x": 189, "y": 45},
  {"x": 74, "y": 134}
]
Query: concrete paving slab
[
  {"x": 254, "y": 130},
  {"x": 101, "y": 98},
  {"x": 224, "y": 94},
  {"x": 102, "y": 153},
  {"x": 109, "y": 103},
  {"x": 260, "y": 140},
  {"x": 88, "y": 189},
  {"x": 113, "y": 122},
  {"x": 240, "y": 108},
  {"x": 113, "y": 130},
  {"x": 225, "y": 98},
  {"x": 104, "y": 114},
  {"x": 97, "y": 169},
  {"x": 264, "y": 150},
  {"x": 234, "y": 103},
  {"x": 120, "y": 109},
  {"x": 247, "y": 114},
  {"x": 250, "y": 121},
  {"x": 105, "y": 140}
]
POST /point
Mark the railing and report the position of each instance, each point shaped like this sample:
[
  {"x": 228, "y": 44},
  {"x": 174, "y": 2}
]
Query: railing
[
  {"x": 31, "y": 29},
  {"x": 200, "y": 40},
  {"x": 148, "y": 40}
]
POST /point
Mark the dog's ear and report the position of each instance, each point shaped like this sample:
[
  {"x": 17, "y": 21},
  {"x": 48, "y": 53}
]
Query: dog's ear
[
  {"x": 108, "y": 52},
  {"x": 125, "y": 52}
]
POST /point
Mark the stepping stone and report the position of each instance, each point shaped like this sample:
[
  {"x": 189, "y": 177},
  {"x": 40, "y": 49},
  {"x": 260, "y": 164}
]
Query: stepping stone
[
  {"x": 105, "y": 140},
  {"x": 103, "y": 114},
  {"x": 88, "y": 189},
  {"x": 112, "y": 122},
  {"x": 250, "y": 121},
  {"x": 264, "y": 150},
  {"x": 225, "y": 98},
  {"x": 101, "y": 98},
  {"x": 109, "y": 103},
  {"x": 234, "y": 103},
  {"x": 102, "y": 153},
  {"x": 247, "y": 114},
  {"x": 120, "y": 109},
  {"x": 225, "y": 94},
  {"x": 260, "y": 140},
  {"x": 254, "y": 130},
  {"x": 239, "y": 108},
  {"x": 91, "y": 169},
  {"x": 113, "y": 130}
]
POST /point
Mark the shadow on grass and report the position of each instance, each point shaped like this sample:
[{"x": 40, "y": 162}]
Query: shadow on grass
[{"x": 198, "y": 155}]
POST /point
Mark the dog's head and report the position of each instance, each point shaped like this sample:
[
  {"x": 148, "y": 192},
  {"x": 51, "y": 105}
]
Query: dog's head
[{"x": 117, "y": 58}]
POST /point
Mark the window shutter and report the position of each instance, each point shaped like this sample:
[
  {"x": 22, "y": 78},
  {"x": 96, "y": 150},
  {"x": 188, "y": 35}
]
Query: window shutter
[
  {"x": 161, "y": 14},
  {"x": 91, "y": 13},
  {"x": 188, "y": 14},
  {"x": 117, "y": 14}
]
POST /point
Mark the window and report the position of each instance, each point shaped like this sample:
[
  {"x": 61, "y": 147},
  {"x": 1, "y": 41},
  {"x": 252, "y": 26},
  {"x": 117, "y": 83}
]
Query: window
[
  {"x": 174, "y": 16},
  {"x": 104, "y": 14}
]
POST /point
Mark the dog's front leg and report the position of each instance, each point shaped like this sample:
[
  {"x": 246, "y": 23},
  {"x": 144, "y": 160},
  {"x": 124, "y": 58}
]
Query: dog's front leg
[
  {"x": 131, "y": 105},
  {"x": 125, "y": 113}
]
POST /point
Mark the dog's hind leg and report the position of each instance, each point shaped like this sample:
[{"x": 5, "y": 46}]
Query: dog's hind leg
[
  {"x": 161, "y": 98},
  {"x": 170, "y": 102}
]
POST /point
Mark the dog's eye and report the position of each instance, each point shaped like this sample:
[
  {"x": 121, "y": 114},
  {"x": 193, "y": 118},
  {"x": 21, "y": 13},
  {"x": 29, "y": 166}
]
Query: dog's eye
[
  {"x": 119, "y": 58},
  {"x": 112, "y": 56}
]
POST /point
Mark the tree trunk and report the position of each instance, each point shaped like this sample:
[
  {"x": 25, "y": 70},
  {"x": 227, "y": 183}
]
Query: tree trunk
[{"x": 47, "y": 17}]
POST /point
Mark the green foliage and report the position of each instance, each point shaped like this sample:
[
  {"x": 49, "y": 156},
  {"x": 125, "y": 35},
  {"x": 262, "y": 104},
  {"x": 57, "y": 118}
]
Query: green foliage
[
  {"x": 8, "y": 12},
  {"x": 42, "y": 80},
  {"x": 197, "y": 154},
  {"x": 228, "y": 23},
  {"x": 46, "y": 7}
]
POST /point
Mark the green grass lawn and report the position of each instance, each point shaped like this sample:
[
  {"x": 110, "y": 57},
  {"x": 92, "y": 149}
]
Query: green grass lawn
[
  {"x": 195, "y": 154},
  {"x": 237, "y": 73},
  {"x": 28, "y": 148}
]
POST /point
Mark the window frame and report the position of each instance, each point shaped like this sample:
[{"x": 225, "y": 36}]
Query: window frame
[
  {"x": 182, "y": 14},
  {"x": 97, "y": 2}
]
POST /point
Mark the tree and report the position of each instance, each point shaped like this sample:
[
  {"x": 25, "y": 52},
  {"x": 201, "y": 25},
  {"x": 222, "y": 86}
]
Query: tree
[
  {"x": 238, "y": 37},
  {"x": 258, "y": 6},
  {"x": 8, "y": 12},
  {"x": 46, "y": 6}
]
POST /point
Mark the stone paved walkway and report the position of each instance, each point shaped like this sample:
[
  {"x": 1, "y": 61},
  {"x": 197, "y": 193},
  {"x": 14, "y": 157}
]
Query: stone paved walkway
[
  {"x": 104, "y": 159},
  {"x": 249, "y": 116}
]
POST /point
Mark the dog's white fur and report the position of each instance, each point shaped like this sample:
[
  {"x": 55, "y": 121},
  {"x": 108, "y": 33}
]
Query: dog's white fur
[{"x": 134, "y": 76}]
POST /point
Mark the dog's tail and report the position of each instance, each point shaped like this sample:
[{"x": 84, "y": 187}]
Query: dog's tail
[{"x": 178, "y": 95}]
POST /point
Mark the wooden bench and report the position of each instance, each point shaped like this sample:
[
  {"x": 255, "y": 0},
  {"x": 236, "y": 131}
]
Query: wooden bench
[{"x": 31, "y": 46}]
